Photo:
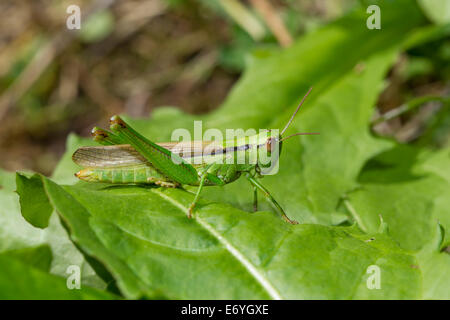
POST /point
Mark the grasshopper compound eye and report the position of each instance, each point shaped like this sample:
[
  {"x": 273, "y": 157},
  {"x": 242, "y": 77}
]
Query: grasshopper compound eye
[{"x": 270, "y": 144}]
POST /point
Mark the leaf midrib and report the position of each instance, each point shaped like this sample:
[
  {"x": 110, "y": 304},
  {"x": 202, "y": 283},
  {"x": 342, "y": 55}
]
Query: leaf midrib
[{"x": 250, "y": 267}]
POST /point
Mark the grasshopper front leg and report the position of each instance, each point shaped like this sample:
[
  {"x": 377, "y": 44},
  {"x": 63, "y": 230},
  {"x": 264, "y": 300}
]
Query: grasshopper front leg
[{"x": 269, "y": 197}]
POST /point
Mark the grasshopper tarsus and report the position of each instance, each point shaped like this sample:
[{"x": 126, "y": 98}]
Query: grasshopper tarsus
[
  {"x": 117, "y": 121},
  {"x": 164, "y": 184},
  {"x": 285, "y": 218},
  {"x": 99, "y": 132},
  {"x": 191, "y": 208},
  {"x": 105, "y": 137}
]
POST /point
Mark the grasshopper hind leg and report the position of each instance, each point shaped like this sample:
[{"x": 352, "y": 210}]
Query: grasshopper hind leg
[{"x": 269, "y": 197}]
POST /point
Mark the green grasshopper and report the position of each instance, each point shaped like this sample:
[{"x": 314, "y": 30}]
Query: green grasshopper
[{"x": 127, "y": 157}]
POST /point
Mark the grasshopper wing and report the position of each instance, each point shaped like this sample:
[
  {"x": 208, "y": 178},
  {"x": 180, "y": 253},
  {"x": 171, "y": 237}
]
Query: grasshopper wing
[{"x": 108, "y": 157}]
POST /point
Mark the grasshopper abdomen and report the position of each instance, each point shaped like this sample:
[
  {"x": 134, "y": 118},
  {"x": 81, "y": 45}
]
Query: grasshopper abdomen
[{"x": 134, "y": 175}]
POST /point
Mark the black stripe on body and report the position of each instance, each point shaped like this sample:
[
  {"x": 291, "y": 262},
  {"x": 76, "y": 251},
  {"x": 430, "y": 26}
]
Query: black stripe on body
[{"x": 226, "y": 150}]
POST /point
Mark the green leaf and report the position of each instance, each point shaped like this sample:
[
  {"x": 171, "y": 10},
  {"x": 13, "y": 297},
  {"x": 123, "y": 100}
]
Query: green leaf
[
  {"x": 437, "y": 10},
  {"x": 39, "y": 257},
  {"x": 77, "y": 222},
  {"x": 146, "y": 241},
  {"x": 434, "y": 267},
  {"x": 408, "y": 188},
  {"x": 33, "y": 202},
  {"x": 407, "y": 208},
  {"x": 20, "y": 278},
  {"x": 437, "y": 162},
  {"x": 434, "y": 264},
  {"x": 17, "y": 234}
]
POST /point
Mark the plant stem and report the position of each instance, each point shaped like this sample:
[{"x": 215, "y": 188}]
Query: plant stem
[
  {"x": 355, "y": 215},
  {"x": 410, "y": 105}
]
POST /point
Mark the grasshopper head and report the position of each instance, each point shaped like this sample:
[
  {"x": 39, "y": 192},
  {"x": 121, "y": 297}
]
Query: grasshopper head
[
  {"x": 273, "y": 143},
  {"x": 272, "y": 140},
  {"x": 269, "y": 148}
]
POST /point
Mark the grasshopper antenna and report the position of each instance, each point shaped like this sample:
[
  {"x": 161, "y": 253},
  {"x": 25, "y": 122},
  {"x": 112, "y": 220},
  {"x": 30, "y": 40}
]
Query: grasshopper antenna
[
  {"x": 295, "y": 112},
  {"x": 299, "y": 134}
]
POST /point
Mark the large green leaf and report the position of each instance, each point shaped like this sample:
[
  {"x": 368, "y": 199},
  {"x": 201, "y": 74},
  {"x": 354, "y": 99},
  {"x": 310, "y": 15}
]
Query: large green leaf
[
  {"x": 408, "y": 187},
  {"x": 16, "y": 234},
  {"x": 437, "y": 10},
  {"x": 24, "y": 276},
  {"x": 39, "y": 257},
  {"x": 88, "y": 240},
  {"x": 146, "y": 241},
  {"x": 435, "y": 264},
  {"x": 36, "y": 210}
]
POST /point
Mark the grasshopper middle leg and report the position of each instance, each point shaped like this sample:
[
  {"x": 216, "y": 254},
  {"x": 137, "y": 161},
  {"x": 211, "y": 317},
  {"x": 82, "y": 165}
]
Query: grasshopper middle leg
[
  {"x": 255, "y": 199},
  {"x": 197, "y": 195}
]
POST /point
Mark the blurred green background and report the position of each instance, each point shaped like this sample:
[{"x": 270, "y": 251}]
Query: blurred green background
[{"x": 133, "y": 56}]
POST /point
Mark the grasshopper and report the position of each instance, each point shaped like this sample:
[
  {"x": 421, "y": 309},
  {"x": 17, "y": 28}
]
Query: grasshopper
[{"x": 127, "y": 157}]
